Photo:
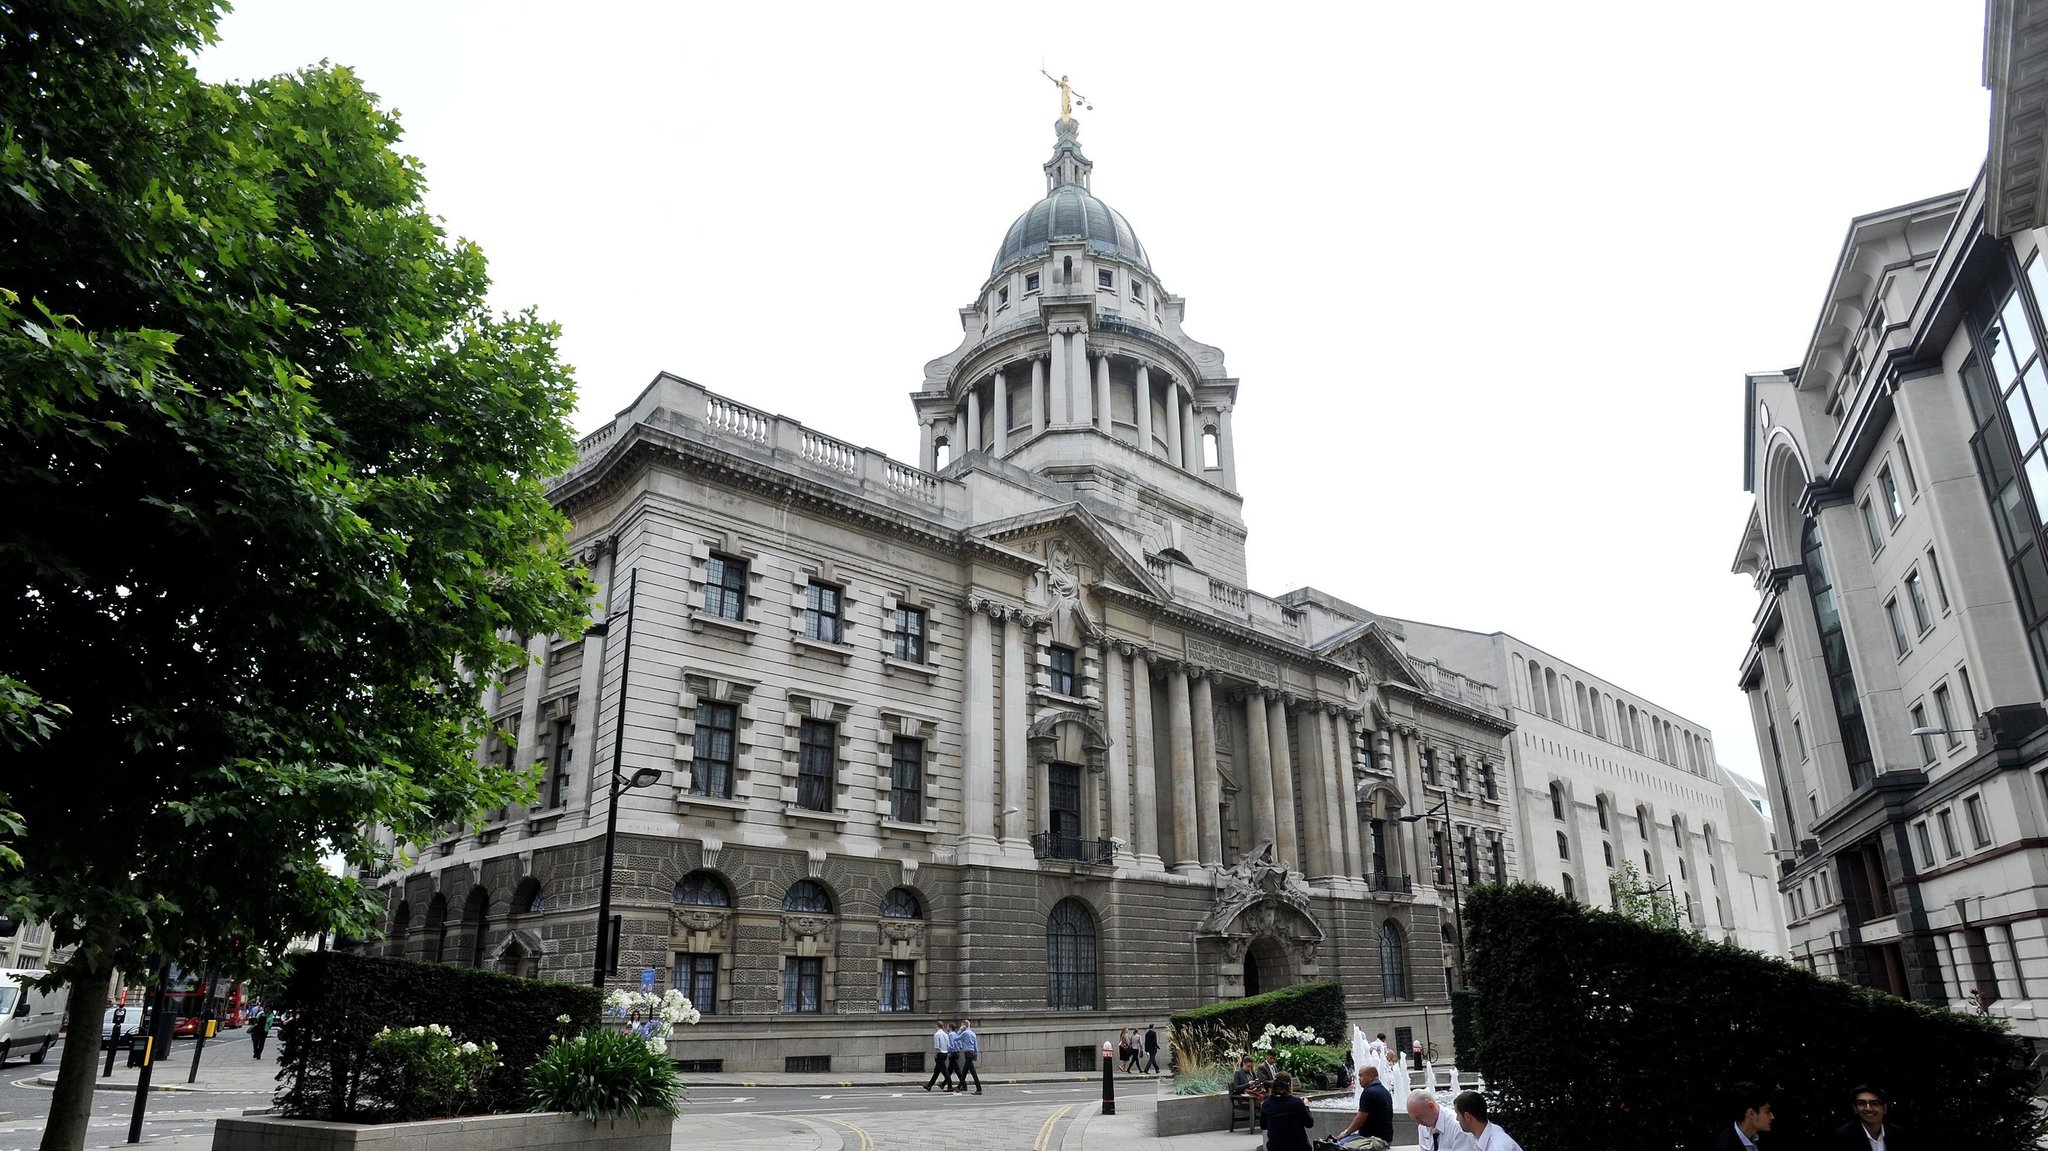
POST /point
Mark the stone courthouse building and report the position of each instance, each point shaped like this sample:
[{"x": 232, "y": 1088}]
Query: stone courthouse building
[{"x": 1002, "y": 734}]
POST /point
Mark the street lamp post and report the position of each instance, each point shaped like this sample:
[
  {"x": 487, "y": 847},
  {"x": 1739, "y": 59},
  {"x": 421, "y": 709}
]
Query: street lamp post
[
  {"x": 640, "y": 778},
  {"x": 1443, "y": 808}
]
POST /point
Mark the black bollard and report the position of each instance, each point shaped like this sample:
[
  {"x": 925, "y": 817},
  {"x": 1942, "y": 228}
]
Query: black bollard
[
  {"x": 1108, "y": 1078},
  {"x": 114, "y": 1040}
]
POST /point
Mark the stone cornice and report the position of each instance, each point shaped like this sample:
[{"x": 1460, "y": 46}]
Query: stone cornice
[{"x": 1466, "y": 712}]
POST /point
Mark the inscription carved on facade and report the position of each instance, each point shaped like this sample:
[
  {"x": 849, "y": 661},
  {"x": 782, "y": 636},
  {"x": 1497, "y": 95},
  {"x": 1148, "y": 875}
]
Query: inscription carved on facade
[{"x": 1251, "y": 665}]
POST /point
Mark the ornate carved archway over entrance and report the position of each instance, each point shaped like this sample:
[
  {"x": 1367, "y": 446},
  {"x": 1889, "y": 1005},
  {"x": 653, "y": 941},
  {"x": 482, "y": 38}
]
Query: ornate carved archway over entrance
[{"x": 1259, "y": 901}]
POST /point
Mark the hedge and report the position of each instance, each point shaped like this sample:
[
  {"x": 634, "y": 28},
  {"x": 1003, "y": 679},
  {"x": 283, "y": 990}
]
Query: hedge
[
  {"x": 1598, "y": 1031},
  {"x": 1318, "y": 1005},
  {"x": 339, "y": 1000},
  {"x": 1464, "y": 1032}
]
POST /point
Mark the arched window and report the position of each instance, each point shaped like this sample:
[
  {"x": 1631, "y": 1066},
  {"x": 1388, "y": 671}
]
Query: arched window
[
  {"x": 1585, "y": 713},
  {"x": 1557, "y": 801},
  {"x": 437, "y": 925},
  {"x": 901, "y": 903},
  {"x": 1536, "y": 696},
  {"x": 526, "y": 898},
  {"x": 1070, "y": 957},
  {"x": 476, "y": 917},
  {"x": 807, "y": 895},
  {"x": 1599, "y": 715},
  {"x": 401, "y": 920},
  {"x": 1556, "y": 700},
  {"x": 701, "y": 889},
  {"x": 1643, "y": 823},
  {"x": 1600, "y": 804},
  {"x": 1209, "y": 454},
  {"x": 1393, "y": 963}
]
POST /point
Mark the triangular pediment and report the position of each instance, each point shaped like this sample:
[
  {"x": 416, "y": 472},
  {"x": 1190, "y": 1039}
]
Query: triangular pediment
[
  {"x": 1087, "y": 538},
  {"x": 1369, "y": 648}
]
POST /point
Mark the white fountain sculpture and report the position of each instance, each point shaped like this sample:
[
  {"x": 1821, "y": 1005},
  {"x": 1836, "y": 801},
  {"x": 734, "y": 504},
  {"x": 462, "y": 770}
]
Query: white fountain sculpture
[{"x": 1393, "y": 1075}]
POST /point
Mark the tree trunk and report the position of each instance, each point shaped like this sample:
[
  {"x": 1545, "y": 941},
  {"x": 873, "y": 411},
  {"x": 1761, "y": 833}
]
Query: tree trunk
[{"x": 71, "y": 1104}]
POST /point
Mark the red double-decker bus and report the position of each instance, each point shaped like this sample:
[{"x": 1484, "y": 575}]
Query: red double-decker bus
[{"x": 190, "y": 1006}]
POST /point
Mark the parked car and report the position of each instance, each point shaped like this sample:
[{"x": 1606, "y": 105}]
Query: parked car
[{"x": 29, "y": 1019}]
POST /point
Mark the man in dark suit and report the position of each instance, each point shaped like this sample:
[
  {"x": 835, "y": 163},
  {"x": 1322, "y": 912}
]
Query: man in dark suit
[
  {"x": 1749, "y": 1112},
  {"x": 1869, "y": 1131}
]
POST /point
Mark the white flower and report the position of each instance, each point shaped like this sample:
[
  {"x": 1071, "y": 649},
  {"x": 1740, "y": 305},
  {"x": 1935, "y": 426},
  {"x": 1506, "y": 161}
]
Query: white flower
[{"x": 563, "y": 1018}]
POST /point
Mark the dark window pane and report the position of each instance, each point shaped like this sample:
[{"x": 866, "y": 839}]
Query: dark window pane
[
  {"x": 814, "y": 764},
  {"x": 712, "y": 750},
  {"x": 2030, "y": 581},
  {"x": 1978, "y": 391},
  {"x": 702, "y": 889},
  {"x": 725, "y": 587},
  {"x": 901, "y": 903},
  {"x": 807, "y": 895},
  {"x": 906, "y": 780}
]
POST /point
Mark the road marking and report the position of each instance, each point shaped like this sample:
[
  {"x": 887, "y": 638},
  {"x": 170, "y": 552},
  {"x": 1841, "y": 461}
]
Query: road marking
[
  {"x": 1044, "y": 1140},
  {"x": 867, "y": 1141}
]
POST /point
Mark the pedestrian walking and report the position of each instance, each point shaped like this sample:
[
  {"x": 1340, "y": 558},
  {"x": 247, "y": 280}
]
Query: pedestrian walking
[
  {"x": 942, "y": 1057},
  {"x": 259, "y": 1030},
  {"x": 966, "y": 1049},
  {"x": 1152, "y": 1049},
  {"x": 1123, "y": 1050}
]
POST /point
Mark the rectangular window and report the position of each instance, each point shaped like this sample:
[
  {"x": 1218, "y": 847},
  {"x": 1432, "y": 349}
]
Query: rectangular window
[
  {"x": 1061, "y": 669},
  {"x": 1926, "y": 843},
  {"x": 801, "y": 980},
  {"x": 815, "y": 764},
  {"x": 1458, "y": 772},
  {"x": 1898, "y": 622},
  {"x": 1970, "y": 712},
  {"x": 906, "y": 780},
  {"x": 1945, "y": 711},
  {"x": 1946, "y": 819},
  {"x": 1429, "y": 767},
  {"x": 696, "y": 976},
  {"x": 1934, "y": 573},
  {"x": 1888, "y": 487},
  {"x": 1916, "y": 598},
  {"x": 1486, "y": 781},
  {"x": 558, "y": 774},
  {"x": 1607, "y": 852},
  {"x": 725, "y": 587},
  {"x": 1105, "y": 279},
  {"x": 1906, "y": 466},
  {"x": 1870, "y": 527},
  {"x": 1799, "y": 738},
  {"x": 1002, "y": 297},
  {"x": 1437, "y": 860},
  {"x": 821, "y": 612},
  {"x": 1137, "y": 291},
  {"x": 1500, "y": 864},
  {"x": 1980, "y": 828},
  {"x": 908, "y": 641},
  {"x": 1030, "y": 283},
  {"x": 712, "y": 750},
  {"x": 1919, "y": 717},
  {"x": 899, "y": 976}
]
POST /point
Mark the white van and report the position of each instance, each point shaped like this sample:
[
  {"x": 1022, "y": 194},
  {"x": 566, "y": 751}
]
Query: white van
[{"x": 29, "y": 1019}]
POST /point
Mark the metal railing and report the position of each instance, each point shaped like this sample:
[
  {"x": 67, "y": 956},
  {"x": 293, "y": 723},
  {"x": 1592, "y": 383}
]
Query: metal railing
[
  {"x": 1051, "y": 845},
  {"x": 1397, "y": 883}
]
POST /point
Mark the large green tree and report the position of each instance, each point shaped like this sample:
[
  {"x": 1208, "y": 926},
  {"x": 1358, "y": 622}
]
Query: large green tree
[{"x": 271, "y": 498}]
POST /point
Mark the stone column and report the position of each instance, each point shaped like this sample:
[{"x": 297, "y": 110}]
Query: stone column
[
  {"x": 529, "y": 706},
  {"x": 1173, "y": 426},
  {"x": 1144, "y": 765},
  {"x": 1286, "y": 835},
  {"x": 1180, "y": 751},
  {"x": 1226, "y": 449},
  {"x": 1001, "y": 424},
  {"x": 590, "y": 684},
  {"x": 927, "y": 449},
  {"x": 1208, "y": 780},
  {"x": 1117, "y": 769},
  {"x": 978, "y": 784},
  {"x": 1144, "y": 409},
  {"x": 1336, "y": 795},
  {"x": 972, "y": 441},
  {"x": 1018, "y": 669},
  {"x": 1037, "y": 395},
  {"x": 1056, "y": 386},
  {"x": 1347, "y": 797},
  {"x": 1315, "y": 797},
  {"x": 1191, "y": 437},
  {"x": 1258, "y": 773},
  {"x": 1103, "y": 409},
  {"x": 1083, "y": 409}
]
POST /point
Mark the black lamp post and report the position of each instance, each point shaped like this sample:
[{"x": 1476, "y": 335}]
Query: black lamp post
[
  {"x": 1443, "y": 808},
  {"x": 640, "y": 778}
]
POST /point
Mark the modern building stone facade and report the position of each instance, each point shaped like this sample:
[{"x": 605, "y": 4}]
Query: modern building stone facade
[
  {"x": 1900, "y": 648},
  {"x": 1601, "y": 778}
]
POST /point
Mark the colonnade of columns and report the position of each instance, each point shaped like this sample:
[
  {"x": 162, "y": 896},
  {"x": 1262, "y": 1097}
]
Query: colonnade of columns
[{"x": 1071, "y": 387}]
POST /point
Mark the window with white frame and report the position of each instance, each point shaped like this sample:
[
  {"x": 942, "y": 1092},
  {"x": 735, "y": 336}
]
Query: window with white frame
[
  {"x": 1898, "y": 622},
  {"x": 1888, "y": 489},
  {"x": 822, "y": 612},
  {"x": 816, "y": 764},
  {"x": 1919, "y": 717},
  {"x": 907, "y": 630},
  {"x": 1946, "y": 820},
  {"x": 1916, "y": 598},
  {"x": 1926, "y": 842},
  {"x": 1945, "y": 711},
  {"x": 1870, "y": 527},
  {"x": 725, "y": 587},
  {"x": 1980, "y": 827}
]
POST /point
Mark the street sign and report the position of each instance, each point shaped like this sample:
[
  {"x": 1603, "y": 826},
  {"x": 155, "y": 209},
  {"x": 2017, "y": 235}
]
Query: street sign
[{"x": 647, "y": 979}]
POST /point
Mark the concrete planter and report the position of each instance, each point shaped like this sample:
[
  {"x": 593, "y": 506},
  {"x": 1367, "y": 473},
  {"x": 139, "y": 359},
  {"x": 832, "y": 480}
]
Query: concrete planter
[
  {"x": 1188, "y": 1114},
  {"x": 468, "y": 1133}
]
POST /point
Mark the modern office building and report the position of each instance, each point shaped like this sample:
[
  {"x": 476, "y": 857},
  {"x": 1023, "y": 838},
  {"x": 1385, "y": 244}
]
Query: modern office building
[
  {"x": 1612, "y": 791},
  {"x": 1897, "y": 664}
]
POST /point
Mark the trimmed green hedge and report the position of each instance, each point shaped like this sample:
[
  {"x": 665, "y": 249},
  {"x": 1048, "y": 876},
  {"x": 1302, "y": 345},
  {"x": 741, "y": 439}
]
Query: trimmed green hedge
[
  {"x": 339, "y": 1000},
  {"x": 1464, "y": 1032},
  {"x": 1318, "y": 1005},
  {"x": 1596, "y": 1030}
]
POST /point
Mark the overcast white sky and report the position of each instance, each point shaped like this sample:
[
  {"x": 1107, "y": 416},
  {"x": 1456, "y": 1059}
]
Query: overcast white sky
[{"x": 1490, "y": 273}]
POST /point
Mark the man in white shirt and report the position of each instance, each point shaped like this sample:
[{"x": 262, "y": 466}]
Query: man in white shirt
[
  {"x": 1436, "y": 1128},
  {"x": 1378, "y": 1047},
  {"x": 942, "y": 1058},
  {"x": 1486, "y": 1135}
]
